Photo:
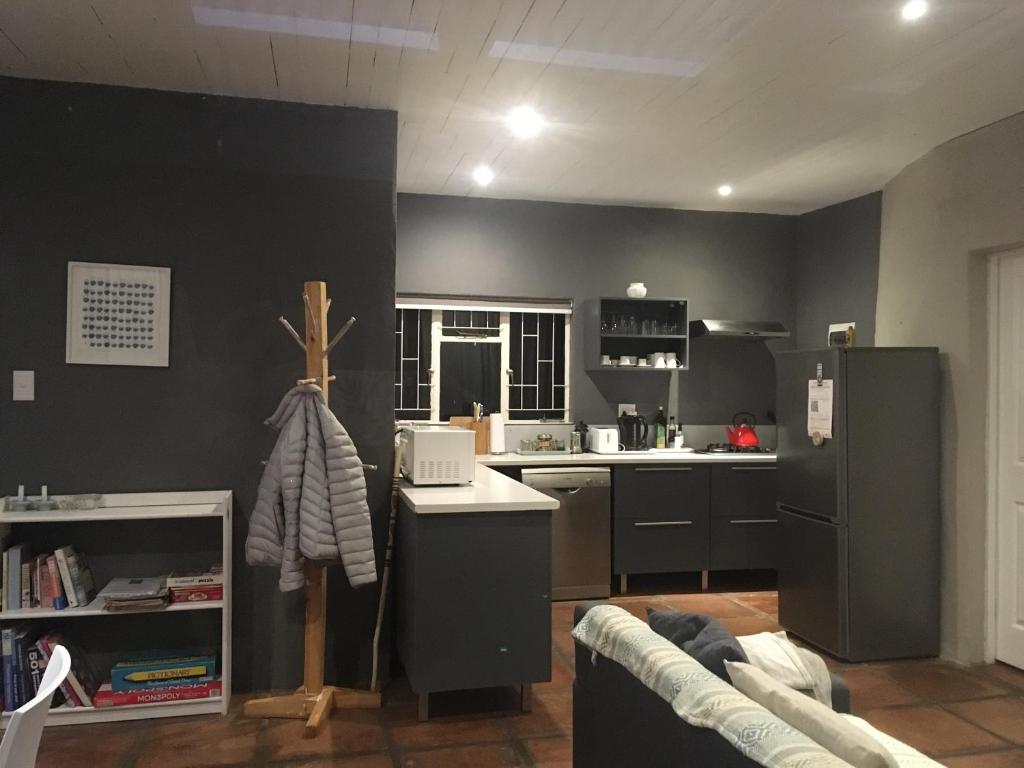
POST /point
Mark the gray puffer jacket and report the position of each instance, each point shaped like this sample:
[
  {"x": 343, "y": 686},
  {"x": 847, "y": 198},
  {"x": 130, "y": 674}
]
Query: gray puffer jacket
[{"x": 311, "y": 501}]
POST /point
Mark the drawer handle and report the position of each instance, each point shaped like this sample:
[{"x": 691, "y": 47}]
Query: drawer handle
[
  {"x": 762, "y": 521},
  {"x": 752, "y": 469},
  {"x": 663, "y": 469},
  {"x": 663, "y": 524}
]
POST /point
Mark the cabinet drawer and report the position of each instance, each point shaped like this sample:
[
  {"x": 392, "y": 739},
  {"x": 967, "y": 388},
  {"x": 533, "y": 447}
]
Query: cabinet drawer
[
  {"x": 743, "y": 490},
  {"x": 660, "y": 546},
  {"x": 661, "y": 492},
  {"x": 740, "y": 543}
]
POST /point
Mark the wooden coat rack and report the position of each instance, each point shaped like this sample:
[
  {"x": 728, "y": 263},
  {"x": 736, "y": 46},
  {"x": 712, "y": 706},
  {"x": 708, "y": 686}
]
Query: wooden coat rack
[{"x": 313, "y": 701}]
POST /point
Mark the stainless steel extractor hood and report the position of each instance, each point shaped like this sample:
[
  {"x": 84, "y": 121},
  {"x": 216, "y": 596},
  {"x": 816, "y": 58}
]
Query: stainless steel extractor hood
[{"x": 741, "y": 329}]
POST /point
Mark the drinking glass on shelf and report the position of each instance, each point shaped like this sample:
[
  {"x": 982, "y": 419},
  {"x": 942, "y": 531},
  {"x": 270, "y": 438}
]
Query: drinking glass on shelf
[
  {"x": 631, "y": 325},
  {"x": 649, "y": 327}
]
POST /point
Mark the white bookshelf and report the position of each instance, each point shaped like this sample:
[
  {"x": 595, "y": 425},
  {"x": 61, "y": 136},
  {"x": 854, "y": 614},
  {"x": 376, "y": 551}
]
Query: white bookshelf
[{"x": 137, "y": 509}]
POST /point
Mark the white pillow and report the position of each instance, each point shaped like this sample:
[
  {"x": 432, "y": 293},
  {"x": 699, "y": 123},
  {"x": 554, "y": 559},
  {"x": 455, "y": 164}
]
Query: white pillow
[{"x": 810, "y": 717}]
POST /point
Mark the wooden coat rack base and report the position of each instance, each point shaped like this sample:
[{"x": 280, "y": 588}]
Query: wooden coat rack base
[
  {"x": 314, "y": 708},
  {"x": 313, "y": 701}
]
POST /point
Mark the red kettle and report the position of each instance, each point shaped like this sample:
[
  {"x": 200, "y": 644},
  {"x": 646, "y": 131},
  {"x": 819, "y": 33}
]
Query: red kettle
[{"x": 742, "y": 431}]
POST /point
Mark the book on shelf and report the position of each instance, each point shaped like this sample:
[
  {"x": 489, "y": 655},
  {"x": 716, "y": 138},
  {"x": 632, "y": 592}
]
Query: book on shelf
[
  {"x": 60, "y": 600},
  {"x": 14, "y": 557},
  {"x": 65, "y": 576},
  {"x": 161, "y": 671},
  {"x": 26, "y": 584},
  {"x": 83, "y": 680},
  {"x": 106, "y": 696},
  {"x": 79, "y": 574}
]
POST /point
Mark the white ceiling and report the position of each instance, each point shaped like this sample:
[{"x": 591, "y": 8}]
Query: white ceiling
[{"x": 796, "y": 103}]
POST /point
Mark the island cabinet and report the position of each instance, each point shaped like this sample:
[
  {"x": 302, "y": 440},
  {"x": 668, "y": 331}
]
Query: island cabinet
[
  {"x": 661, "y": 518},
  {"x": 744, "y": 526},
  {"x": 473, "y": 599}
]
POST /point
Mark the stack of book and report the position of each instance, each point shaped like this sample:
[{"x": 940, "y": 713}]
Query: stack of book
[
  {"x": 153, "y": 679},
  {"x": 59, "y": 580},
  {"x": 135, "y": 594},
  {"x": 25, "y": 655},
  {"x": 191, "y": 587}
]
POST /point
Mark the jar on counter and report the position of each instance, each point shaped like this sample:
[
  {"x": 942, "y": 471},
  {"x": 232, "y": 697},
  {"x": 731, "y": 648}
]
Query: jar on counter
[{"x": 544, "y": 441}]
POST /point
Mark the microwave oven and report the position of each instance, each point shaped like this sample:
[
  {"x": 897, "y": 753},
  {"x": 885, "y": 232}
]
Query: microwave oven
[{"x": 438, "y": 455}]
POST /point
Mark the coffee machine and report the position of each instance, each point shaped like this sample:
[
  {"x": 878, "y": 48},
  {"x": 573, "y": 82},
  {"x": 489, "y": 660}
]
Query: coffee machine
[{"x": 633, "y": 432}]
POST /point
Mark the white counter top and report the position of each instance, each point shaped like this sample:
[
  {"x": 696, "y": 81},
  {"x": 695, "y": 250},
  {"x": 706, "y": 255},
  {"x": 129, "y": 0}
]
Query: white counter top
[
  {"x": 491, "y": 491},
  {"x": 624, "y": 457}
]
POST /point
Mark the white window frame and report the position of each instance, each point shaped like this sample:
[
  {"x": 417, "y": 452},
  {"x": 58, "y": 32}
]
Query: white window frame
[{"x": 504, "y": 307}]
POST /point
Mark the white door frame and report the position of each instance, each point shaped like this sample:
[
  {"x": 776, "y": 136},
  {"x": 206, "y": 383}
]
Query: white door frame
[{"x": 992, "y": 458}]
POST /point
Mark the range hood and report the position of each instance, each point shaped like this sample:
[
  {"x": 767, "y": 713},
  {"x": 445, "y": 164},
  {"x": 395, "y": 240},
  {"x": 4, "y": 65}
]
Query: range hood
[{"x": 743, "y": 329}]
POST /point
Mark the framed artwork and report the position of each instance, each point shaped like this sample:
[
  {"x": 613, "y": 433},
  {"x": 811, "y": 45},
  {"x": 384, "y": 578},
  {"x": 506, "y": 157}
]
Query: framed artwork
[{"x": 118, "y": 314}]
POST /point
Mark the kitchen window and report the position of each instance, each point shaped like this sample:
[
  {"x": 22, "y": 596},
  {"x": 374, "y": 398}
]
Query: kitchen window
[{"x": 512, "y": 355}]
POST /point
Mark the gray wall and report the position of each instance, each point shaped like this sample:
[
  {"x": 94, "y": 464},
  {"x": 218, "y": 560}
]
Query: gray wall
[
  {"x": 836, "y": 269},
  {"x": 729, "y": 265},
  {"x": 244, "y": 200},
  {"x": 942, "y": 218}
]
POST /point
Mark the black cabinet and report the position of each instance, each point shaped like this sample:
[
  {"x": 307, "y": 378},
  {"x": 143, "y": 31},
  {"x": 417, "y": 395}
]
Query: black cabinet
[
  {"x": 661, "y": 516},
  {"x": 473, "y": 599},
  {"x": 690, "y": 517},
  {"x": 744, "y": 529}
]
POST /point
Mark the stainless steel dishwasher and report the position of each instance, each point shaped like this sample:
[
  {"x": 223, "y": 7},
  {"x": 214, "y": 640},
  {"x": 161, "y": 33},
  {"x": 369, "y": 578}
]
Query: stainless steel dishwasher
[{"x": 581, "y": 538}]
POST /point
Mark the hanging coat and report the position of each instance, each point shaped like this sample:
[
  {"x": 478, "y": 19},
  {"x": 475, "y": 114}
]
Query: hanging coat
[{"x": 311, "y": 501}]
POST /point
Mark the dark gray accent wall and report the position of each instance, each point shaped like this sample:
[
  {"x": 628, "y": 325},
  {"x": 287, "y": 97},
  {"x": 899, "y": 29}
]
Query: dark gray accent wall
[
  {"x": 836, "y": 269},
  {"x": 729, "y": 265},
  {"x": 244, "y": 200}
]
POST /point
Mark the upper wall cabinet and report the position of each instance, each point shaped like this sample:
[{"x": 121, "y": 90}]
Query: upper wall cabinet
[{"x": 643, "y": 331}]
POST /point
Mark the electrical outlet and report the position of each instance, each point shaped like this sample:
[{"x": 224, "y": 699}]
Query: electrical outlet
[{"x": 24, "y": 385}]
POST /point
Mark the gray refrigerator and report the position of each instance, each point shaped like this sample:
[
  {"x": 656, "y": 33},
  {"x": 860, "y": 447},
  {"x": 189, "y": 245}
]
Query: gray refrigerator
[{"x": 859, "y": 523}]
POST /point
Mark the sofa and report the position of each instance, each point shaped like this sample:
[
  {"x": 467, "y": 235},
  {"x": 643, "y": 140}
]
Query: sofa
[{"x": 618, "y": 721}]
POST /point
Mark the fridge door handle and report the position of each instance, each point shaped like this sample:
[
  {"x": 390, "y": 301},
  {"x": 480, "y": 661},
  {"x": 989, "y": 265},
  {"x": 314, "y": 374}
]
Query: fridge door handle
[{"x": 803, "y": 513}]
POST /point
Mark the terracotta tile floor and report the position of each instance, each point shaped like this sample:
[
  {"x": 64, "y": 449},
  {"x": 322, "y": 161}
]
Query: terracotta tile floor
[{"x": 963, "y": 717}]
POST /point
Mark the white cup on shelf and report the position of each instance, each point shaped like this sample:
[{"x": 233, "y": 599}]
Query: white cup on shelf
[
  {"x": 659, "y": 360},
  {"x": 671, "y": 361}
]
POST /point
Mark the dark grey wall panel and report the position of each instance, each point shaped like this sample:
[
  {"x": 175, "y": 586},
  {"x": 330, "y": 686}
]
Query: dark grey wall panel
[
  {"x": 244, "y": 200},
  {"x": 730, "y": 265},
  {"x": 836, "y": 270}
]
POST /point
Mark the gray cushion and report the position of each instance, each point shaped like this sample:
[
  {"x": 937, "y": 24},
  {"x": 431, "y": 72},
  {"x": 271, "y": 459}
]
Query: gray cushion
[{"x": 701, "y": 636}]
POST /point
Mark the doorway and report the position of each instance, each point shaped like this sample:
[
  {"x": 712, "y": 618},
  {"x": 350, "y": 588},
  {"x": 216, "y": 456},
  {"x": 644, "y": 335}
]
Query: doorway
[{"x": 1008, "y": 455}]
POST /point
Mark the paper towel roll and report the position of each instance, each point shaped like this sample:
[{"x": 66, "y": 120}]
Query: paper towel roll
[{"x": 497, "y": 433}]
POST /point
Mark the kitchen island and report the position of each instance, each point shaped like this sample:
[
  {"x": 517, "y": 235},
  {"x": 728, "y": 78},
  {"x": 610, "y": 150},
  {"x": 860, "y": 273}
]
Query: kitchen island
[{"x": 473, "y": 585}]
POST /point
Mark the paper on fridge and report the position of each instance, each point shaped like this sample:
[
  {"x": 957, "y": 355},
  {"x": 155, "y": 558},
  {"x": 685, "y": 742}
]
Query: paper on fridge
[{"x": 819, "y": 408}]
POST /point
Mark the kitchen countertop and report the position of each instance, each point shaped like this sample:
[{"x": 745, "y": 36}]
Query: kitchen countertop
[
  {"x": 490, "y": 491},
  {"x": 623, "y": 457}
]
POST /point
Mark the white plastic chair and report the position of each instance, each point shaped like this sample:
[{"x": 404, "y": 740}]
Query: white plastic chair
[{"x": 25, "y": 729}]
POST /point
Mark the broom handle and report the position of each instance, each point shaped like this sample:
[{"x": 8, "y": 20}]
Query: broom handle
[{"x": 386, "y": 578}]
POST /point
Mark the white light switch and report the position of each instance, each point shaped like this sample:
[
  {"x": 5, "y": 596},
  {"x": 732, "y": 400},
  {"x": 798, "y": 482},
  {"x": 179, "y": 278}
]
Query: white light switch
[{"x": 24, "y": 385}]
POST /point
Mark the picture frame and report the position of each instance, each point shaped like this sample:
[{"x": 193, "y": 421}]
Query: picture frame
[{"x": 118, "y": 314}]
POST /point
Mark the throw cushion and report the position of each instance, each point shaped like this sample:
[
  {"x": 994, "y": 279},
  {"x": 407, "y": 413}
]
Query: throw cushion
[
  {"x": 830, "y": 730},
  {"x": 701, "y": 636}
]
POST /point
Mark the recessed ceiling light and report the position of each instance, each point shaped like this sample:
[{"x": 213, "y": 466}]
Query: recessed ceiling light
[
  {"x": 725, "y": 190},
  {"x": 914, "y": 9},
  {"x": 524, "y": 122},
  {"x": 483, "y": 175}
]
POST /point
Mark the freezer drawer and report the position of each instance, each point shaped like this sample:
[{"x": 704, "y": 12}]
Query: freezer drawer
[
  {"x": 813, "y": 600},
  {"x": 661, "y": 546},
  {"x": 744, "y": 543}
]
